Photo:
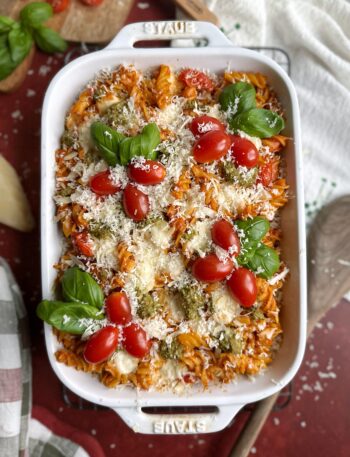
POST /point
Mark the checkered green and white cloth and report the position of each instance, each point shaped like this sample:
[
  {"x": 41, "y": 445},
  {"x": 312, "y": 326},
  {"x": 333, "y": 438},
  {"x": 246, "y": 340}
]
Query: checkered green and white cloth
[{"x": 20, "y": 435}]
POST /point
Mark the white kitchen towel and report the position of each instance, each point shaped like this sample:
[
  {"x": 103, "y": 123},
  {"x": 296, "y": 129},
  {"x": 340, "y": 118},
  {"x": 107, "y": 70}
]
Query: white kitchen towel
[{"x": 316, "y": 36}]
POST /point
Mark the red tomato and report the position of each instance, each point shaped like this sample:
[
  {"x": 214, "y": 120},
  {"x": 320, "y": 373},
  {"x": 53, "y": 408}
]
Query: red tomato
[
  {"x": 197, "y": 79},
  {"x": 135, "y": 202},
  {"x": 211, "y": 146},
  {"x": 83, "y": 243},
  {"x": 136, "y": 341},
  {"x": 242, "y": 285},
  {"x": 244, "y": 152},
  {"x": 188, "y": 378},
  {"x": 204, "y": 124},
  {"x": 59, "y": 5},
  {"x": 118, "y": 308},
  {"x": 224, "y": 235},
  {"x": 101, "y": 345},
  {"x": 268, "y": 173},
  {"x": 211, "y": 268},
  {"x": 102, "y": 184},
  {"x": 91, "y": 2},
  {"x": 147, "y": 173}
]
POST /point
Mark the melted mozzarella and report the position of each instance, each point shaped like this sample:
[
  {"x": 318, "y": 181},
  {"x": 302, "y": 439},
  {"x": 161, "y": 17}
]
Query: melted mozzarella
[
  {"x": 225, "y": 307},
  {"x": 124, "y": 362}
]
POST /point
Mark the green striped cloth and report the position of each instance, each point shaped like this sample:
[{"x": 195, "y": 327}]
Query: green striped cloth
[{"x": 20, "y": 435}]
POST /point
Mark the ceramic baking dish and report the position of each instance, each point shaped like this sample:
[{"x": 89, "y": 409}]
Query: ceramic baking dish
[{"x": 218, "y": 54}]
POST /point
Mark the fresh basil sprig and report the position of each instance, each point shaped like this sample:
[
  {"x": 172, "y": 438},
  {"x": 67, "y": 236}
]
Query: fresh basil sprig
[
  {"x": 255, "y": 255},
  {"x": 17, "y": 38},
  {"x": 107, "y": 142},
  {"x": 68, "y": 317},
  {"x": 239, "y": 101},
  {"x": 79, "y": 286},
  {"x": 237, "y": 98},
  {"x": 114, "y": 148},
  {"x": 143, "y": 144}
]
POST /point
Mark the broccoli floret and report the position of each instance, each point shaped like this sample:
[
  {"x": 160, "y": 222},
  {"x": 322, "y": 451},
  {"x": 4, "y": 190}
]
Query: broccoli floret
[
  {"x": 257, "y": 314},
  {"x": 170, "y": 351},
  {"x": 148, "y": 306},
  {"x": 228, "y": 342},
  {"x": 69, "y": 139},
  {"x": 99, "y": 230},
  {"x": 193, "y": 300},
  {"x": 120, "y": 114},
  {"x": 232, "y": 174}
]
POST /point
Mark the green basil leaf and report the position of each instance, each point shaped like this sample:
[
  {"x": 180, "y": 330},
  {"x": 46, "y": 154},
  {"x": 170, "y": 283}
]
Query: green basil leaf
[
  {"x": 262, "y": 123},
  {"x": 68, "y": 317},
  {"x": 254, "y": 229},
  {"x": 20, "y": 43},
  {"x": 35, "y": 13},
  {"x": 237, "y": 98},
  {"x": 6, "y": 24},
  {"x": 143, "y": 144},
  {"x": 6, "y": 63},
  {"x": 48, "y": 40},
  {"x": 79, "y": 286},
  {"x": 265, "y": 262},
  {"x": 107, "y": 141}
]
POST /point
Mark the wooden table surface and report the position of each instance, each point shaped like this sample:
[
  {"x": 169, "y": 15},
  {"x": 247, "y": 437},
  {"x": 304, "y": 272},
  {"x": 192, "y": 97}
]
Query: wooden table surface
[{"x": 317, "y": 419}]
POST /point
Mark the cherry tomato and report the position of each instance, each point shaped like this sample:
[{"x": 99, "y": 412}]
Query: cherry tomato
[
  {"x": 211, "y": 268},
  {"x": 268, "y": 173},
  {"x": 148, "y": 173},
  {"x": 242, "y": 285},
  {"x": 204, "y": 124},
  {"x": 59, "y": 5},
  {"x": 118, "y": 308},
  {"x": 136, "y": 341},
  {"x": 244, "y": 152},
  {"x": 135, "y": 202},
  {"x": 197, "y": 79},
  {"x": 91, "y": 2},
  {"x": 211, "y": 146},
  {"x": 224, "y": 235},
  {"x": 83, "y": 243},
  {"x": 188, "y": 378},
  {"x": 101, "y": 345},
  {"x": 102, "y": 184}
]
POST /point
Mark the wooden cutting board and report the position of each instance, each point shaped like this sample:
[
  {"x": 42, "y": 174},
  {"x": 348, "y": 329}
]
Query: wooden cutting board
[{"x": 79, "y": 23}]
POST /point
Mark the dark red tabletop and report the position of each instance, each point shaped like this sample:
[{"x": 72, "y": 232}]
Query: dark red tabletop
[{"x": 316, "y": 422}]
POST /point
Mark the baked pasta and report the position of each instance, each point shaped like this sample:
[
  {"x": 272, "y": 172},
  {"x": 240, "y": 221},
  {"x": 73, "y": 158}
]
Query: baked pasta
[{"x": 168, "y": 187}]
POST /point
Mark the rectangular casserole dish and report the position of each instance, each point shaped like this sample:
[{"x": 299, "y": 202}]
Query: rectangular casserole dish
[{"x": 218, "y": 54}]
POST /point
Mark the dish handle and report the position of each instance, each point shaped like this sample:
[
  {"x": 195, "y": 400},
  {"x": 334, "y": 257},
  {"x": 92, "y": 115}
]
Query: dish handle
[
  {"x": 168, "y": 30},
  {"x": 178, "y": 424}
]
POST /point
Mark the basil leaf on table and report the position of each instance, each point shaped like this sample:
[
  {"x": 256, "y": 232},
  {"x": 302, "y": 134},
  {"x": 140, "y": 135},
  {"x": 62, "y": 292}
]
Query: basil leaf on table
[
  {"x": 143, "y": 144},
  {"x": 48, "y": 40},
  {"x": 68, "y": 317},
  {"x": 107, "y": 142},
  {"x": 6, "y": 24},
  {"x": 259, "y": 122},
  {"x": 35, "y": 14},
  {"x": 265, "y": 262},
  {"x": 6, "y": 63},
  {"x": 237, "y": 98},
  {"x": 20, "y": 42},
  {"x": 79, "y": 286}
]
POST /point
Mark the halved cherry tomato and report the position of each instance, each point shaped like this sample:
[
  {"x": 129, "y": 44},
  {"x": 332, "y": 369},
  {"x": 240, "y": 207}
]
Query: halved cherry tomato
[
  {"x": 242, "y": 285},
  {"x": 211, "y": 146},
  {"x": 211, "y": 269},
  {"x": 188, "y": 378},
  {"x": 204, "y": 124},
  {"x": 197, "y": 79},
  {"x": 268, "y": 173},
  {"x": 83, "y": 243},
  {"x": 101, "y": 345},
  {"x": 244, "y": 152},
  {"x": 135, "y": 202},
  {"x": 91, "y": 2},
  {"x": 118, "y": 308},
  {"x": 136, "y": 341},
  {"x": 102, "y": 184},
  {"x": 148, "y": 173},
  {"x": 224, "y": 235},
  {"x": 59, "y": 5}
]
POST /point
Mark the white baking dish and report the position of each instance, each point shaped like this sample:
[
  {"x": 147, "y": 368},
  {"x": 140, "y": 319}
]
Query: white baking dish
[{"x": 219, "y": 53}]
